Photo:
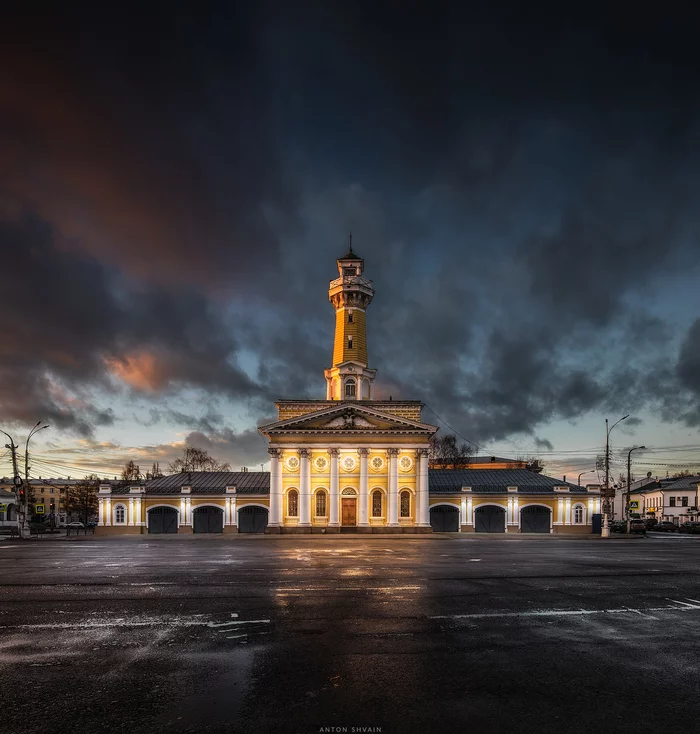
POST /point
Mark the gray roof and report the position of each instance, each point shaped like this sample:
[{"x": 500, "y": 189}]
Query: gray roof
[
  {"x": 210, "y": 482},
  {"x": 6, "y": 495},
  {"x": 442, "y": 481},
  {"x": 495, "y": 481},
  {"x": 683, "y": 483}
]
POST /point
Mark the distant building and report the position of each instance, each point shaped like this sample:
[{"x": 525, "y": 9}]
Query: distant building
[
  {"x": 669, "y": 500},
  {"x": 352, "y": 463}
]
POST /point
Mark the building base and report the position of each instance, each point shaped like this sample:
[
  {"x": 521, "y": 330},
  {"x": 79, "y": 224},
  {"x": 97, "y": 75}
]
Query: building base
[{"x": 229, "y": 529}]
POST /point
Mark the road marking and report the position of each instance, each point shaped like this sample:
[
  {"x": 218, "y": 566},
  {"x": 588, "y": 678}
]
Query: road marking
[
  {"x": 121, "y": 622},
  {"x": 568, "y": 612}
]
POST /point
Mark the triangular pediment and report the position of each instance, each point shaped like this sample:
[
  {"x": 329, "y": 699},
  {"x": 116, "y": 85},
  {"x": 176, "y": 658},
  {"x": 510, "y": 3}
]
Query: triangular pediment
[{"x": 347, "y": 418}]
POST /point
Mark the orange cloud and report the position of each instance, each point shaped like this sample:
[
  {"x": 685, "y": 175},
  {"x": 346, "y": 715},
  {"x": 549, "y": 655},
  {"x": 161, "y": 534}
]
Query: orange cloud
[{"x": 141, "y": 371}]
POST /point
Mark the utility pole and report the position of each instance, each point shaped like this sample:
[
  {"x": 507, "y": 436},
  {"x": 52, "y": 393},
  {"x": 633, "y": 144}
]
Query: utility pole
[
  {"x": 17, "y": 481},
  {"x": 606, "y": 502}
]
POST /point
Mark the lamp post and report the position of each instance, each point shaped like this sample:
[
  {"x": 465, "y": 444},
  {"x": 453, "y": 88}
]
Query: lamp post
[
  {"x": 581, "y": 474},
  {"x": 606, "y": 528},
  {"x": 627, "y": 502},
  {"x": 34, "y": 430}
]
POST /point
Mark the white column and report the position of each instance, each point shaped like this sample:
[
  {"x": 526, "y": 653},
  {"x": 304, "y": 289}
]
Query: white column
[
  {"x": 304, "y": 490},
  {"x": 275, "y": 518},
  {"x": 131, "y": 511},
  {"x": 560, "y": 512},
  {"x": 108, "y": 510},
  {"x": 139, "y": 520},
  {"x": 470, "y": 511},
  {"x": 567, "y": 511},
  {"x": 188, "y": 510},
  {"x": 101, "y": 520},
  {"x": 393, "y": 508},
  {"x": 462, "y": 513},
  {"x": 234, "y": 514},
  {"x": 423, "y": 487},
  {"x": 364, "y": 493},
  {"x": 516, "y": 512},
  {"x": 183, "y": 516},
  {"x": 334, "y": 518}
]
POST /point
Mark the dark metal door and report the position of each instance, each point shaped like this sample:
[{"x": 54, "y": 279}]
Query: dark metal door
[
  {"x": 162, "y": 520},
  {"x": 490, "y": 519},
  {"x": 535, "y": 519},
  {"x": 597, "y": 521},
  {"x": 348, "y": 516},
  {"x": 444, "y": 519},
  {"x": 252, "y": 520},
  {"x": 208, "y": 520}
]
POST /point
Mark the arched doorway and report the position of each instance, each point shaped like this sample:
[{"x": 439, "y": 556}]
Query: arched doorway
[
  {"x": 207, "y": 520},
  {"x": 162, "y": 520},
  {"x": 252, "y": 519},
  {"x": 490, "y": 519},
  {"x": 535, "y": 519},
  {"x": 444, "y": 519}
]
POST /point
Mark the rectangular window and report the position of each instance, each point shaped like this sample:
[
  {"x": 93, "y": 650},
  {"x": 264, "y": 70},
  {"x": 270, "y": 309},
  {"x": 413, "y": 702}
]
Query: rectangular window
[
  {"x": 348, "y": 271},
  {"x": 672, "y": 501},
  {"x": 349, "y": 342},
  {"x": 684, "y": 501},
  {"x": 349, "y": 317}
]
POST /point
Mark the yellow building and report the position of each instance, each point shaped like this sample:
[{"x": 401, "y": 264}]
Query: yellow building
[{"x": 350, "y": 463}]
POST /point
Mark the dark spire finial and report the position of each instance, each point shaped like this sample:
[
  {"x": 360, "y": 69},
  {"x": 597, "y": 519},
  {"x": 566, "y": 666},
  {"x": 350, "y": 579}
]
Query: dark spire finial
[{"x": 350, "y": 239}]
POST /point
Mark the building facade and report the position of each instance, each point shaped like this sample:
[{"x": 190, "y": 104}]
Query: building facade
[{"x": 351, "y": 463}]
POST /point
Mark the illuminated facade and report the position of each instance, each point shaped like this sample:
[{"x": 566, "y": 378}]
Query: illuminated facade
[{"x": 351, "y": 464}]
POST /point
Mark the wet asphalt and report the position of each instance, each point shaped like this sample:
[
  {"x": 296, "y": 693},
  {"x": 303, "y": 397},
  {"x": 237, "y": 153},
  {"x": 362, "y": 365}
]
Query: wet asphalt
[{"x": 263, "y": 634}]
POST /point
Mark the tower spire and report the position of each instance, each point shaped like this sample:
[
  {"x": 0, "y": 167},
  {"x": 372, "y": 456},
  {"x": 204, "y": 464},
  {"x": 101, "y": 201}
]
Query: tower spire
[{"x": 349, "y": 378}]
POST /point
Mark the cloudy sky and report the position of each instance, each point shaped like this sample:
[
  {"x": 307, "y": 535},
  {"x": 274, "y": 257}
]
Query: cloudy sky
[{"x": 175, "y": 188}]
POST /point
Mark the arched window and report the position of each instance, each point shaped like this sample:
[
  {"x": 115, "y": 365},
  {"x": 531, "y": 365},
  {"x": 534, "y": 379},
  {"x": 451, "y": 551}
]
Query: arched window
[
  {"x": 320, "y": 504},
  {"x": 376, "y": 503},
  {"x": 350, "y": 389},
  {"x": 119, "y": 515},
  {"x": 405, "y": 503},
  {"x": 293, "y": 503},
  {"x": 578, "y": 514}
]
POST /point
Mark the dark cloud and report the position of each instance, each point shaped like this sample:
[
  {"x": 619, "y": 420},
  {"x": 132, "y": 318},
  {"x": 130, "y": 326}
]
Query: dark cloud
[{"x": 175, "y": 191}]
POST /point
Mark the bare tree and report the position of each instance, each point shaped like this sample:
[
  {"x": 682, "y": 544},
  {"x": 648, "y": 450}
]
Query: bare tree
[
  {"x": 194, "y": 459},
  {"x": 81, "y": 498},
  {"x": 532, "y": 463},
  {"x": 131, "y": 472},
  {"x": 446, "y": 453}
]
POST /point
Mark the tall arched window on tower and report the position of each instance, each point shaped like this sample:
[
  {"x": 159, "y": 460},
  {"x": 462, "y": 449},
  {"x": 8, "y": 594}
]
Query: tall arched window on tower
[
  {"x": 293, "y": 503},
  {"x": 350, "y": 388},
  {"x": 405, "y": 503},
  {"x": 349, "y": 342},
  {"x": 349, "y": 317},
  {"x": 376, "y": 503}
]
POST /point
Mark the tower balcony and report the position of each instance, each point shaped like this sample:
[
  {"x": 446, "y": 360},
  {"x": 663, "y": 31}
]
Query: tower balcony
[{"x": 351, "y": 280}]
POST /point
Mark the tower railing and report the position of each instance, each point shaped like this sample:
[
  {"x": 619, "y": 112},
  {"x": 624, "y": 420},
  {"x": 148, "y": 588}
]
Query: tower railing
[{"x": 351, "y": 280}]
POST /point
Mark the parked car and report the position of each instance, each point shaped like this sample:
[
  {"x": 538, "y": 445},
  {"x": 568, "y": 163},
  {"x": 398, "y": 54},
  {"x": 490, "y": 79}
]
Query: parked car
[
  {"x": 618, "y": 526},
  {"x": 690, "y": 527},
  {"x": 638, "y": 526},
  {"x": 665, "y": 527},
  {"x": 75, "y": 524},
  {"x": 651, "y": 523}
]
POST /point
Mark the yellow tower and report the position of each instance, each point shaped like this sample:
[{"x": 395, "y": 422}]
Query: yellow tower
[{"x": 351, "y": 293}]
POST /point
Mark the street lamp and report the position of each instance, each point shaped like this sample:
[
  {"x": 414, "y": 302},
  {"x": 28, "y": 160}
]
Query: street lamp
[
  {"x": 581, "y": 474},
  {"x": 627, "y": 503},
  {"x": 606, "y": 528},
  {"x": 34, "y": 431}
]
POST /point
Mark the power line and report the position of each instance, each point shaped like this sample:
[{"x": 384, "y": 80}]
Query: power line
[{"x": 464, "y": 438}]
